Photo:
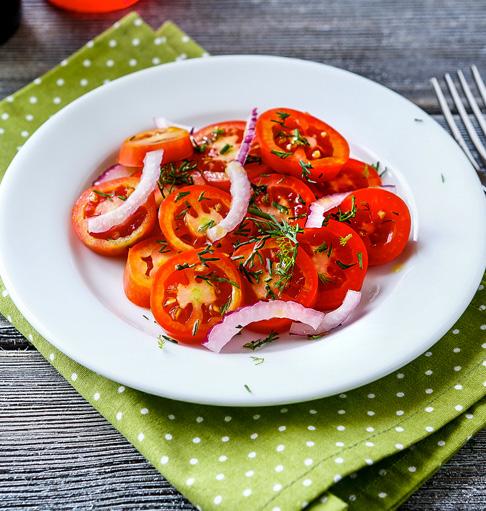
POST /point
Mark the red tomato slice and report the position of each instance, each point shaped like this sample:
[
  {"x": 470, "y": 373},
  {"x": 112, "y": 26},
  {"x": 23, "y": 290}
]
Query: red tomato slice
[
  {"x": 217, "y": 145},
  {"x": 340, "y": 259},
  {"x": 353, "y": 175},
  {"x": 284, "y": 197},
  {"x": 105, "y": 197},
  {"x": 382, "y": 220},
  {"x": 192, "y": 291},
  {"x": 297, "y": 143},
  {"x": 187, "y": 213},
  {"x": 144, "y": 259},
  {"x": 176, "y": 143},
  {"x": 259, "y": 263}
]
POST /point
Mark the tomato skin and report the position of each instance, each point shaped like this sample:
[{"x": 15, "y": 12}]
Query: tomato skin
[
  {"x": 343, "y": 245},
  {"x": 302, "y": 287},
  {"x": 144, "y": 259},
  {"x": 138, "y": 226},
  {"x": 182, "y": 231},
  {"x": 176, "y": 143},
  {"x": 326, "y": 154},
  {"x": 354, "y": 175},
  {"x": 292, "y": 196},
  {"x": 382, "y": 220},
  {"x": 179, "y": 298}
]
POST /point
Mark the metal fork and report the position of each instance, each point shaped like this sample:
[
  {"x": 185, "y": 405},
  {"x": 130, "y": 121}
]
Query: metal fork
[{"x": 463, "y": 114}]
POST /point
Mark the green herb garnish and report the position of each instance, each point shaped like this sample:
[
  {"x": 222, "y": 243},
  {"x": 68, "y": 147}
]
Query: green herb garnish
[{"x": 259, "y": 343}]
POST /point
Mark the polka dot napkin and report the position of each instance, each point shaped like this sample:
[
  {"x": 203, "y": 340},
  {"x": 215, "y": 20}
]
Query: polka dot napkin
[{"x": 367, "y": 449}]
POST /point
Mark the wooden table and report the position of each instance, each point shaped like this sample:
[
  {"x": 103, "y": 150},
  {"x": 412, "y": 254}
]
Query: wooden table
[{"x": 56, "y": 452}]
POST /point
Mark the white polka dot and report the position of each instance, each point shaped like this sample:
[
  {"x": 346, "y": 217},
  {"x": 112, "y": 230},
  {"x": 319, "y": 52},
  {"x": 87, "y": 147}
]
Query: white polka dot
[
  {"x": 51, "y": 356},
  {"x": 112, "y": 43},
  {"x": 185, "y": 38},
  {"x": 469, "y": 416},
  {"x": 276, "y": 509},
  {"x": 144, "y": 411},
  {"x": 400, "y": 376},
  {"x": 429, "y": 391},
  {"x": 339, "y": 444},
  {"x": 30, "y": 337},
  {"x": 74, "y": 377},
  {"x": 370, "y": 429},
  {"x": 343, "y": 396},
  {"x": 382, "y": 495},
  {"x": 482, "y": 307},
  {"x": 340, "y": 427},
  {"x": 399, "y": 446},
  {"x": 246, "y": 492},
  {"x": 338, "y": 461},
  {"x": 459, "y": 408},
  {"x": 90, "y": 44},
  {"x": 441, "y": 443},
  {"x": 307, "y": 482},
  {"x": 429, "y": 429},
  {"x": 86, "y": 62},
  {"x": 218, "y": 499},
  {"x": 252, "y": 454},
  {"x": 279, "y": 468},
  {"x": 277, "y": 487},
  {"x": 83, "y": 82},
  {"x": 220, "y": 477},
  {"x": 352, "y": 498},
  {"x": 227, "y": 418},
  {"x": 33, "y": 99},
  {"x": 56, "y": 100},
  {"x": 196, "y": 440},
  {"x": 119, "y": 416},
  {"x": 225, "y": 439},
  {"x": 110, "y": 63},
  {"x": 280, "y": 448},
  {"x": 155, "y": 61},
  {"x": 308, "y": 462},
  {"x": 254, "y": 436},
  {"x": 337, "y": 478},
  {"x": 481, "y": 287},
  {"x": 164, "y": 460},
  {"x": 37, "y": 81},
  {"x": 428, "y": 354},
  {"x": 250, "y": 473},
  {"x": 205, "y": 54},
  {"x": 24, "y": 133},
  {"x": 400, "y": 394},
  {"x": 29, "y": 117},
  {"x": 137, "y": 22},
  {"x": 369, "y": 461},
  {"x": 457, "y": 368},
  {"x": 4, "y": 116},
  {"x": 171, "y": 417},
  {"x": 2, "y": 131},
  {"x": 382, "y": 472},
  {"x": 60, "y": 82},
  {"x": 456, "y": 350},
  {"x": 256, "y": 417},
  {"x": 370, "y": 413},
  {"x": 428, "y": 372},
  {"x": 141, "y": 437},
  {"x": 482, "y": 327},
  {"x": 190, "y": 481},
  {"x": 371, "y": 396},
  {"x": 369, "y": 444},
  {"x": 64, "y": 62},
  {"x": 132, "y": 62},
  {"x": 429, "y": 409},
  {"x": 121, "y": 389},
  {"x": 311, "y": 428},
  {"x": 9, "y": 99},
  {"x": 199, "y": 419},
  {"x": 168, "y": 436},
  {"x": 310, "y": 443},
  {"x": 458, "y": 386},
  {"x": 412, "y": 469},
  {"x": 160, "y": 40},
  {"x": 282, "y": 428},
  {"x": 222, "y": 458},
  {"x": 455, "y": 331},
  {"x": 399, "y": 412},
  {"x": 312, "y": 411},
  {"x": 399, "y": 429},
  {"x": 135, "y": 41},
  {"x": 193, "y": 461},
  {"x": 483, "y": 345},
  {"x": 341, "y": 412}
]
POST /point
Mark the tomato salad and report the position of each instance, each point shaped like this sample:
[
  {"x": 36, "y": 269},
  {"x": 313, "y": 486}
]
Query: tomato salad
[{"x": 266, "y": 224}]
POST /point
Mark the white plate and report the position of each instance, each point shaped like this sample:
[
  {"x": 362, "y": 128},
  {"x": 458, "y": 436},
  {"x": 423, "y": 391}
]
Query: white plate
[{"x": 75, "y": 299}]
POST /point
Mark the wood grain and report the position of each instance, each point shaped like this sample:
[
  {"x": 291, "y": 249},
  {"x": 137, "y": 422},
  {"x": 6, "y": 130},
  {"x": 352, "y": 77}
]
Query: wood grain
[{"x": 56, "y": 451}]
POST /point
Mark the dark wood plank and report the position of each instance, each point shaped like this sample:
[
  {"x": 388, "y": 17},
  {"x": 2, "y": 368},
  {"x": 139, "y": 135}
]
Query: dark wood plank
[
  {"x": 401, "y": 44},
  {"x": 57, "y": 452}
]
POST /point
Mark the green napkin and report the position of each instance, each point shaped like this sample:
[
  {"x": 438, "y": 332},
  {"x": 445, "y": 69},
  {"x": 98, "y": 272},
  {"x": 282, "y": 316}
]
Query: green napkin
[{"x": 367, "y": 449}]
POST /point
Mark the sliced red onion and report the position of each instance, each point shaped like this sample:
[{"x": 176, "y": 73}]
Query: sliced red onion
[
  {"x": 248, "y": 137},
  {"x": 162, "y": 122},
  {"x": 146, "y": 185},
  {"x": 240, "y": 198},
  {"x": 232, "y": 324},
  {"x": 321, "y": 206},
  {"x": 114, "y": 172},
  {"x": 330, "y": 320}
]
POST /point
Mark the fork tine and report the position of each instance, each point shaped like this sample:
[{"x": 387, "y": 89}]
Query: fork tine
[
  {"x": 472, "y": 101},
  {"x": 452, "y": 124},
  {"x": 479, "y": 82},
  {"x": 465, "y": 118}
]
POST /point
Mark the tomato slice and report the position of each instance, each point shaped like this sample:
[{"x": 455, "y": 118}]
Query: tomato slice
[
  {"x": 192, "y": 291},
  {"x": 144, "y": 259},
  {"x": 353, "y": 175},
  {"x": 340, "y": 259},
  {"x": 217, "y": 145},
  {"x": 176, "y": 143},
  {"x": 285, "y": 197},
  {"x": 261, "y": 263},
  {"x": 187, "y": 213},
  {"x": 381, "y": 218},
  {"x": 105, "y": 197},
  {"x": 297, "y": 143}
]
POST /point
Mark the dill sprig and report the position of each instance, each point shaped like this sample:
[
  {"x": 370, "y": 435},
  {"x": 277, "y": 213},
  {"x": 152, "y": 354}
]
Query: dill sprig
[
  {"x": 172, "y": 175},
  {"x": 259, "y": 343}
]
